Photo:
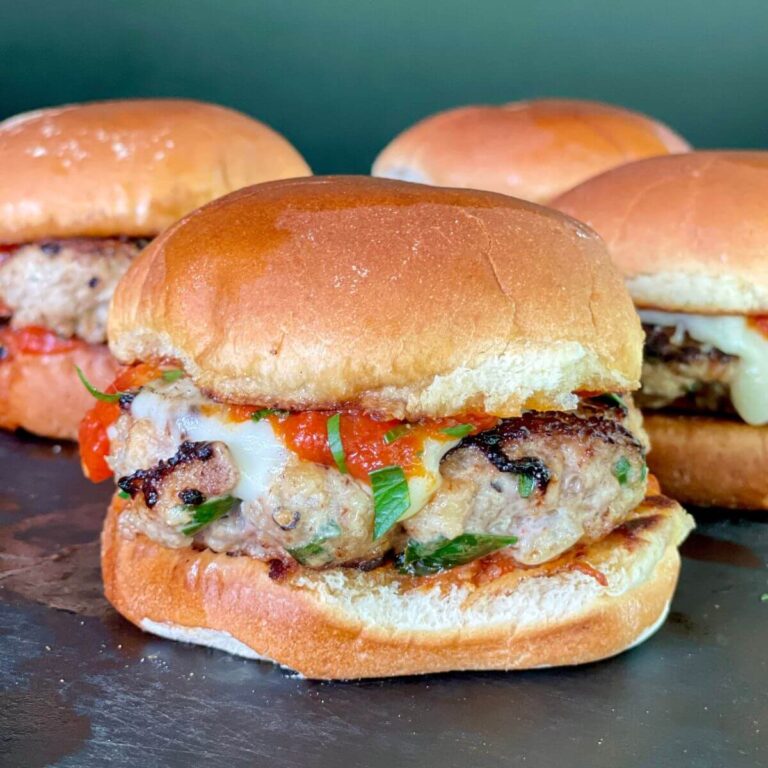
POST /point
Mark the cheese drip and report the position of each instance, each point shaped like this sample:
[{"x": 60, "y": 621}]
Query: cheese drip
[{"x": 733, "y": 335}]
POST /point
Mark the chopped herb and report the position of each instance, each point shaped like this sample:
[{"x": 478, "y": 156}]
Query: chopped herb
[
  {"x": 391, "y": 498},
  {"x": 173, "y": 375},
  {"x": 264, "y": 412},
  {"x": 644, "y": 473},
  {"x": 611, "y": 398},
  {"x": 105, "y": 397},
  {"x": 395, "y": 433},
  {"x": 206, "y": 513},
  {"x": 123, "y": 495},
  {"x": 334, "y": 442},
  {"x": 764, "y": 597},
  {"x": 309, "y": 552},
  {"x": 621, "y": 470},
  {"x": 525, "y": 485},
  {"x": 423, "y": 559},
  {"x": 459, "y": 430}
]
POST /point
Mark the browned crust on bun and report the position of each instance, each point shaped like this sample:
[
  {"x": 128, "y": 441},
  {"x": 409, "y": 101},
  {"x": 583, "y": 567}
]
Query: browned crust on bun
[
  {"x": 42, "y": 394},
  {"x": 529, "y": 149},
  {"x": 399, "y": 298},
  {"x": 689, "y": 232},
  {"x": 128, "y": 167},
  {"x": 342, "y": 624},
  {"x": 709, "y": 462}
]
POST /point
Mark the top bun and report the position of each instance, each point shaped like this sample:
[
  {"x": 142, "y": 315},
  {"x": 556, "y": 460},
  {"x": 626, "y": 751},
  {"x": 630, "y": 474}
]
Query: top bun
[
  {"x": 397, "y": 298},
  {"x": 530, "y": 149},
  {"x": 128, "y": 167},
  {"x": 689, "y": 232}
]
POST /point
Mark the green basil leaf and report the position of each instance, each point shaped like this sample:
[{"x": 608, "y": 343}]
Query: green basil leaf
[
  {"x": 264, "y": 412},
  {"x": 395, "y": 433},
  {"x": 205, "y": 513},
  {"x": 525, "y": 485},
  {"x": 621, "y": 470},
  {"x": 391, "y": 498},
  {"x": 123, "y": 495},
  {"x": 105, "y": 397},
  {"x": 309, "y": 552},
  {"x": 460, "y": 430},
  {"x": 644, "y": 473},
  {"x": 334, "y": 442},
  {"x": 173, "y": 375},
  {"x": 424, "y": 559}
]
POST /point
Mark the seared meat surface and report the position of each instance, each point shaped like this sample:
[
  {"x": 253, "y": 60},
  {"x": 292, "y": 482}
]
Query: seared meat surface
[
  {"x": 595, "y": 472},
  {"x": 549, "y": 479},
  {"x": 65, "y": 285},
  {"x": 680, "y": 371}
]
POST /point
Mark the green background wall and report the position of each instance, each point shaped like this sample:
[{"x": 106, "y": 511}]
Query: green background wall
[{"x": 340, "y": 77}]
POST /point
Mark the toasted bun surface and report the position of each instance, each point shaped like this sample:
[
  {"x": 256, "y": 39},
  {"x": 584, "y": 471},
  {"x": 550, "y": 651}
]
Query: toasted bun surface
[
  {"x": 342, "y": 623},
  {"x": 42, "y": 394},
  {"x": 690, "y": 232},
  {"x": 709, "y": 462},
  {"x": 530, "y": 149},
  {"x": 398, "y": 298},
  {"x": 128, "y": 167}
]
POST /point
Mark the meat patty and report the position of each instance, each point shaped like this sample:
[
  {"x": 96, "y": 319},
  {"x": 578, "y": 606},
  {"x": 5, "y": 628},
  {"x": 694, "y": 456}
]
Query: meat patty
[
  {"x": 65, "y": 285},
  {"x": 549, "y": 479},
  {"x": 682, "y": 372}
]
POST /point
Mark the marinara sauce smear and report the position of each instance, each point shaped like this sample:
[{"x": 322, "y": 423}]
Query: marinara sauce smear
[
  {"x": 34, "y": 340},
  {"x": 369, "y": 444}
]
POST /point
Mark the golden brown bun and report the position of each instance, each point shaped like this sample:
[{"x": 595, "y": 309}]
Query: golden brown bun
[
  {"x": 399, "y": 298},
  {"x": 342, "y": 623},
  {"x": 42, "y": 394},
  {"x": 128, "y": 167},
  {"x": 690, "y": 232},
  {"x": 709, "y": 462},
  {"x": 530, "y": 149}
]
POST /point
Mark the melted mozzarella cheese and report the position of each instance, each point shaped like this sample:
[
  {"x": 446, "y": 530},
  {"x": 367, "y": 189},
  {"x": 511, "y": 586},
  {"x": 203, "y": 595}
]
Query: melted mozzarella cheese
[
  {"x": 733, "y": 335},
  {"x": 422, "y": 487},
  {"x": 259, "y": 454}
]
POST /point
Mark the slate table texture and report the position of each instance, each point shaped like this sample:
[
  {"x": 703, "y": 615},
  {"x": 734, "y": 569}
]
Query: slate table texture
[{"x": 83, "y": 688}]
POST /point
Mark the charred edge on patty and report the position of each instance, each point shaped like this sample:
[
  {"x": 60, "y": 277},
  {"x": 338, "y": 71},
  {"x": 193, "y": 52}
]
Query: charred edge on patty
[
  {"x": 684, "y": 374},
  {"x": 665, "y": 343},
  {"x": 490, "y": 443},
  {"x": 148, "y": 481}
]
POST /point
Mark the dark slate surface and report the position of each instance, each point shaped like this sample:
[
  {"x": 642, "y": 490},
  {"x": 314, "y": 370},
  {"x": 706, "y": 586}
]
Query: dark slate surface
[{"x": 81, "y": 687}]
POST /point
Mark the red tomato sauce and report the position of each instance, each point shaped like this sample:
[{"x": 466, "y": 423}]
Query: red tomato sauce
[
  {"x": 34, "y": 340},
  {"x": 759, "y": 323},
  {"x": 92, "y": 435},
  {"x": 303, "y": 432},
  {"x": 363, "y": 439}
]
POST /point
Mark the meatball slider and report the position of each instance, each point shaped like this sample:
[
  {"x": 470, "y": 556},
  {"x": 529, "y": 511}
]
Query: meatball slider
[
  {"x": 691, "y": 235},
  {"x": 376, "y": 428},
  {"x": 530, "y": 149},
  {"x": 82, "y": 189}
]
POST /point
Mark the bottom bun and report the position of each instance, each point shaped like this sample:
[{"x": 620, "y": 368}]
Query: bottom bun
[
  {"x": 344, "y": 623},
  {"x": 709, "y": 462},
  {"x": 42, "y": 393}
]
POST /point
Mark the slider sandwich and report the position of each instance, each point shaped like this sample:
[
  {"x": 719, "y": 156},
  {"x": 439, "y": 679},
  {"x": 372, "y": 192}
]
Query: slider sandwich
[
  {"x": 82, "y": 190},
  {"x": 372, "y": 428},
  {"x": 529, "y": 149},
  {"x": 690, "y": 233}
]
